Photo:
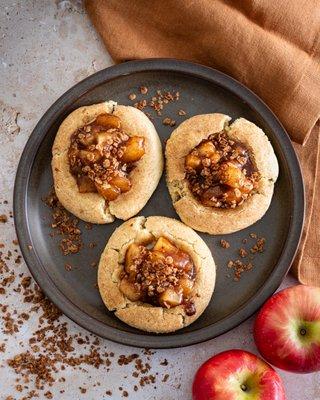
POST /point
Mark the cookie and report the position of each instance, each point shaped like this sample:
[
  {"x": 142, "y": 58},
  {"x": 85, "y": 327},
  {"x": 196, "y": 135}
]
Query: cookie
[
  {"x": 220, "y": 177},
  {"x": 107, "y": 161},
  {"x": 156, "y": 274}
]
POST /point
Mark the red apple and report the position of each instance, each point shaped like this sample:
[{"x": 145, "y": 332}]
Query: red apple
[
  {"x": 287, "y": 329},
  {"x": 237, "y": 375}
]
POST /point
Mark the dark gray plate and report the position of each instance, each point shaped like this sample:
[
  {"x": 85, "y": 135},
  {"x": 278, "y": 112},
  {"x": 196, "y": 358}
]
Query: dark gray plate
[{"x": 202, "y": 90}]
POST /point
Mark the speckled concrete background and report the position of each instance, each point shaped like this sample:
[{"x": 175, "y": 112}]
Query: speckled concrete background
[{"x": 45, "y": 48}]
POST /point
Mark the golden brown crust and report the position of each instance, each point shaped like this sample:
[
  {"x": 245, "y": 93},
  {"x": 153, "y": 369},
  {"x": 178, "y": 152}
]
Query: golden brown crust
[
  {"x": 209, "y": 219},
  {"x": 92, "y": 207},
  {"x": 145, "y": 316}
]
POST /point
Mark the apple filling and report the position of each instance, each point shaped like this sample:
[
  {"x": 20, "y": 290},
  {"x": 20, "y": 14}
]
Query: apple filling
[
  {"x": 163, "y": 275},
  {"x": 102, "y": 155},
  {"x": 220, "y": 172}
]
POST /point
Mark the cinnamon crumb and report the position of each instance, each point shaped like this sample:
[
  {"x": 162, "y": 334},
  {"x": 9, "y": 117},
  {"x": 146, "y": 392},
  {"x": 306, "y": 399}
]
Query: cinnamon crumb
[
  {"x": 165, "y": 378},
  {"x": 169, "y": 121},
  {"x": 132, "y": 96},
  {"x": 224, "y": 244},
  {"x": 143, "y": 90},
  {"x": 68, "y": 267},
  {"x": 3, "y": 218},
  {"x": 243, "y": 252},
  {"x": 64, "y": 225}
]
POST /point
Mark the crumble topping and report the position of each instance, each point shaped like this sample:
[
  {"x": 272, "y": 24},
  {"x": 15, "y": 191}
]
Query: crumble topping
[
  {"x": 102, "y": 155},
  {"x": 163, "y": 275},
  {"x": 221, "y": 172}
]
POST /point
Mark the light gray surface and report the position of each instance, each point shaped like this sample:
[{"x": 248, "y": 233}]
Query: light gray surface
[{"x": 46, "y": 47}]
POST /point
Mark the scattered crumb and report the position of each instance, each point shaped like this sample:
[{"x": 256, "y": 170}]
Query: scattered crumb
[
  {"x": 68, "y": 267},
  {"x": 243, "y": 252},
  {"x": 132, "y": 96},
  {"x": 143, "y": 90},
  {"x": 165, "y": 378},
  {"x": 224, "y": 244},
  {"x": 3, "y": 218},
  {"x": 169, "y": 121},
  {"x": 64, "y": 225}
]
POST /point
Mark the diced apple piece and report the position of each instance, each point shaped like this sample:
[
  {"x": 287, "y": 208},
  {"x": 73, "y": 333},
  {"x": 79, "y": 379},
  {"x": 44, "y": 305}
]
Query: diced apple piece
[
  {"x": 186, "y": 285},
  {"x": 170, "y": 298},
  {"x": 132, "y": 252},
  {"x": 89, "y": 157},
  {"x": 231, "y": 175},
  {"x": 157, "y": 256},
  {"x": 164, "y": 245},
  {"x": 206, "y": 149},
  {"x": 108, "y": 121},
  {"x": 128, "y": 289},
  {"x": 107, "y": 191},
  {"x": 86, "y": 185},
  {"x": 180, "y": 259},
  {"x": 134, "y": 149},
  {"x": 121, "y": 182},
  {"x": 215, "y": 157},
  {"x": 192, "y": 161}
]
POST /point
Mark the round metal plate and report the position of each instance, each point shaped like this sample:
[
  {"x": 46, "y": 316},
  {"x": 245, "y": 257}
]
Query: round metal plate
[{"x": 202, "y": 90}]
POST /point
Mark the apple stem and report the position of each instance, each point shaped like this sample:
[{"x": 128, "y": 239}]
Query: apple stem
[
  {"x": 302, "y": 331},
  {"x": 243, "y": 387}
]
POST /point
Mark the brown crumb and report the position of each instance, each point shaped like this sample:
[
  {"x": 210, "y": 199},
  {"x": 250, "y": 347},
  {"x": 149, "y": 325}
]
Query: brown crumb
[
  {"x": 132, "y": 96},
  {"x": 68, "y": 267},
  {"x": 82, "y": 390},
  {"x": 182, "y": 112},
  {"x": 258, "y": 247},
  {"x": 239, "y": 267},
  {"x": 165, "y": 378},
  {"x": 26, "y": 281},
  {"x": 140, "y": 105},
  {"x": 3, "y": 218},
  {"x": 243, "y": 252},
  {"x": 48, "y": 395},
  {"x": 169, "y": 121},
  {"x": 108, "y": 393},
  {"x": 224, "y": 244},
  {"x": 143, "y": 90},
  {"x": 125, "y": 393},
  {"x": 64, "y": 225},
  {"x": 253, "y": 235}
]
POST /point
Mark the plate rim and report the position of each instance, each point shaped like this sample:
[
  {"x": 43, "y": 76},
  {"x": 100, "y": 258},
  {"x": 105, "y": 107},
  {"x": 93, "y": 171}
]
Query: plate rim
[{"x": 177, "y": 339}]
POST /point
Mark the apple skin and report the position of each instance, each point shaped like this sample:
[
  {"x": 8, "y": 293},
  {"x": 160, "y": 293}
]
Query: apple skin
[
  {"x": 237, "y": 375},
  {"x": 287, "y": 329}
]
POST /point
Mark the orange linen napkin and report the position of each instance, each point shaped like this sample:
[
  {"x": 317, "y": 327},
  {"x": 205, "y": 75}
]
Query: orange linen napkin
[{"x": 272, "y": 47}]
